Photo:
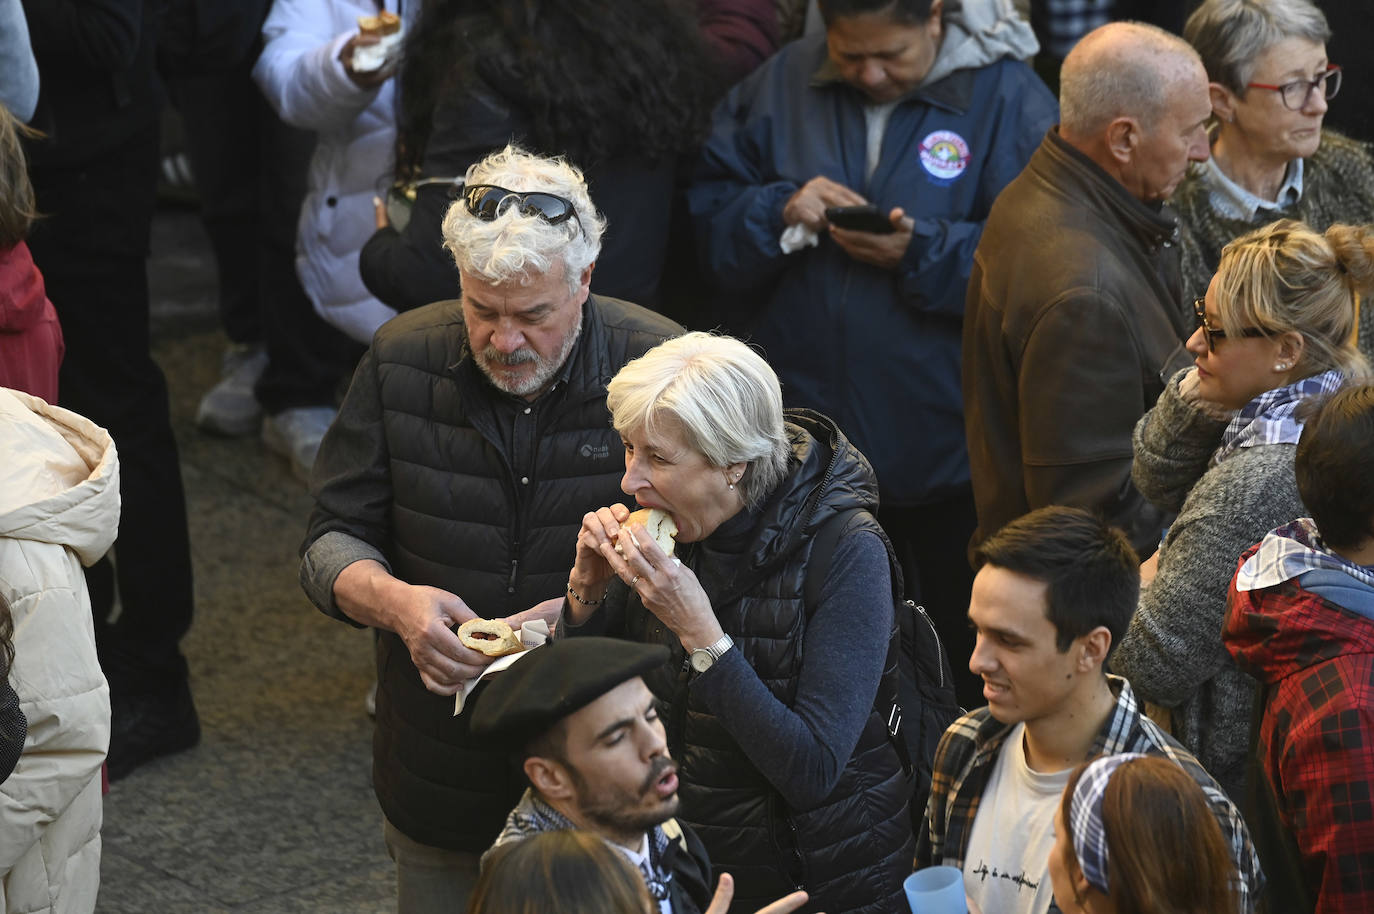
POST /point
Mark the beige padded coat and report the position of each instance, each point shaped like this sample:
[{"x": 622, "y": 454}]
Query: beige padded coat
[{"x": 59, "y": 509}]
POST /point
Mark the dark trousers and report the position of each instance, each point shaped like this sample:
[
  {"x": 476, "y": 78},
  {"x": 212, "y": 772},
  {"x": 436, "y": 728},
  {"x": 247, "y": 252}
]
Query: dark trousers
[
  {"x": 251, "y": 170},
  {"x": 92, "y": 248},
  {"x": 931, "y": 542}
]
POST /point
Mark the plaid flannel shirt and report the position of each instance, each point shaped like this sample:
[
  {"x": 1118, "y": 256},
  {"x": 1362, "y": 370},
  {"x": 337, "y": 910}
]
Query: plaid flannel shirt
[
  {"x": 1066, "y": 21},
  {"x": 968, "y": 751}
]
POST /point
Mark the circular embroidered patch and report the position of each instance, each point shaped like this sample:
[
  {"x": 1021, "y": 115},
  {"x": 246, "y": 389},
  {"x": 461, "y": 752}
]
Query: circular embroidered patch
[{"x": 944, "y": 155}]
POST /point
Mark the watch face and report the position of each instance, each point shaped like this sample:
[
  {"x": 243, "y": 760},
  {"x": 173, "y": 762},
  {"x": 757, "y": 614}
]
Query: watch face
[{"x": 701, "y": 660}]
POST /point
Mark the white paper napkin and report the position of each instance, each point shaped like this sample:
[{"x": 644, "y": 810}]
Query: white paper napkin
[
  {"x": 796, "y": 237},
  {"x": 532, "y": 635},
  {"x": 372, "y": 57}
]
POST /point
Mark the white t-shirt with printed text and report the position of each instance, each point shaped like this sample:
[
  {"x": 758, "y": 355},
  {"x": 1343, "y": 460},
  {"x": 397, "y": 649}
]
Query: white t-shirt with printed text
[{"x": 1006, "y": 866}]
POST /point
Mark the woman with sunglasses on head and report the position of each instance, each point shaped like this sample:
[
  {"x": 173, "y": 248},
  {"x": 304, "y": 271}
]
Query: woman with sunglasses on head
[
  {"x": 620, "y": 88},
  {"x": 1275, "y": 331},
  {"x": 1270, "y": 82}
]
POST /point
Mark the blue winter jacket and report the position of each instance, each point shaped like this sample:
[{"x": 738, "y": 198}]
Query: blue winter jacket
[{"x": 876, "y": 350}]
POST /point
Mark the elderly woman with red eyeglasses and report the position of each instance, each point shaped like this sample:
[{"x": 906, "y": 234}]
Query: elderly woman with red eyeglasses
[
  {"x": 1273, "y": 333},
  {"x": 1270, "y": 83}
]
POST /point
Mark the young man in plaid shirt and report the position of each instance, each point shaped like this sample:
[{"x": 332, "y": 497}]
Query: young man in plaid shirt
[{"x": 1055, "y": 591}]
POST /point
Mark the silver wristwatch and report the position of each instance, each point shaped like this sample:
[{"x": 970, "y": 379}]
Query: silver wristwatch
[{"x": 703, "y": 658}]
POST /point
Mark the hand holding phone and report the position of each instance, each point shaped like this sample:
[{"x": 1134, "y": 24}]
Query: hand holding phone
[{"x": 866, "y": 218}]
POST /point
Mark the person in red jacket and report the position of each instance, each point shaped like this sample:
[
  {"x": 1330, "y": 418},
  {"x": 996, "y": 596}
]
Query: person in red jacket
[
  {"x": 1300, "y": 619},
  {"x": 30, "y": 336}
]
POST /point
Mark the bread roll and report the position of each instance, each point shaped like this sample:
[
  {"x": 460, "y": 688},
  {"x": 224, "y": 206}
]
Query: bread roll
[
  {"x": 660, "y": 525},
  {"x": 383, "y": 24},
  {"x": 503, "y": 639}
]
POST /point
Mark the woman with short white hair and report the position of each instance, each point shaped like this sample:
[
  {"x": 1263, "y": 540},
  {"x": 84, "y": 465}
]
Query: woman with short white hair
[
  {"x": 771, "y": 699},
  {"x": 1270, "y": 83}
]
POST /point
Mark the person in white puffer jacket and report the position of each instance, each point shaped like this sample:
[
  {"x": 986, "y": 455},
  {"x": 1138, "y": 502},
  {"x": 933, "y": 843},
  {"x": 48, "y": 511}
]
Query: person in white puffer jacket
[
  {"x": 59, "y": 510},
  {"x": 306, "y": 71}
]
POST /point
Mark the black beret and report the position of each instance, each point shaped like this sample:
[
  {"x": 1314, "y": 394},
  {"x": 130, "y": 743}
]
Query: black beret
[{"x": 555, "y": 680}]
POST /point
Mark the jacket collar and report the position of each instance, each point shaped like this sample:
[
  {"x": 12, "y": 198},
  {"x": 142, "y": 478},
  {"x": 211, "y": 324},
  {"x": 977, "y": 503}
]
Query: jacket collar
[
  {"x": 1113, "y": 738},
  {"x": 825, "y": 476},
  {"x": 954, "y": 92},
  {"x": 1079, "y": 177}
]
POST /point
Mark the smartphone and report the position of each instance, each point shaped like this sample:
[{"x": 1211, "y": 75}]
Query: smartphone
[{"x": 866, "y": 218}]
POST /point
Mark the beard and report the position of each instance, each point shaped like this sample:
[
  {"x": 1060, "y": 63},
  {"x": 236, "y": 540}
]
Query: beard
[
  {"x": 622, "y": 812},
  {"x": 544, "y": 369}
]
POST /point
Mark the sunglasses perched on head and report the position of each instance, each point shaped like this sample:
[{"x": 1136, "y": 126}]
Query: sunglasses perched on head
[
  {"x": 487, "y": 201},
  {"x": 1216, "y": 333}
]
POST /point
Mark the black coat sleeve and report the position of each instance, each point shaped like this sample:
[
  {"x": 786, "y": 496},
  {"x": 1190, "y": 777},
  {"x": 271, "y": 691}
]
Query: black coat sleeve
[{"x": 94, "y": 34}]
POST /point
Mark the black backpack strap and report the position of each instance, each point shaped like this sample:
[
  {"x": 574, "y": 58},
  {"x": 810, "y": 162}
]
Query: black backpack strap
[{"x": 827, "y": 538}]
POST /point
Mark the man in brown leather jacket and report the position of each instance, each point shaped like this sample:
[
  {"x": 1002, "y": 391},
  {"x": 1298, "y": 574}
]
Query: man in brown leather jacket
[{"x": 1073, "y": 315}]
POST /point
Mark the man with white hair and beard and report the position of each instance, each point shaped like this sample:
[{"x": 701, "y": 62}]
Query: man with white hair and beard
[{"x": 452, "y": 485}]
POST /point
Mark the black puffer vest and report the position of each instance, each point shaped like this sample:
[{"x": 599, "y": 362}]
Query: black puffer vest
[
  {"x": 851, "y": 852},
  {"x": 462, "y": 521}
]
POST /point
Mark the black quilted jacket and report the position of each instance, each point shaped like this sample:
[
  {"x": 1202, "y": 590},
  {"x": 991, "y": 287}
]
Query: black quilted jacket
[{"x": 415, "y": 466}]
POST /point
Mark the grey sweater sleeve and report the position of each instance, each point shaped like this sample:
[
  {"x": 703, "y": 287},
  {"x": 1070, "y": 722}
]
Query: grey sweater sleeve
[
  {"x": 325, "y": 560},
  {"x": 19, "y": 88},
  {"x": 1173, "y": 644},
  {"x": 802, "y": 750},
  {"x": 1172, "y": 445}
]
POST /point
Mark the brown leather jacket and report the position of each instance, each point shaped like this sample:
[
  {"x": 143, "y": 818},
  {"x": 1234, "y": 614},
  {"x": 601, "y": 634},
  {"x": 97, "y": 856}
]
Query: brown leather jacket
[{"x": 1073, "y": 325}]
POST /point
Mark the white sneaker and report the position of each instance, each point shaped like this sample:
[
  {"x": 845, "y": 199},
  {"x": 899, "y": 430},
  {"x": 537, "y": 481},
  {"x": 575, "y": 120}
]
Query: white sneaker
[
  {"x": 229, "y": 408},
  {"x": 296, "y": 435}
]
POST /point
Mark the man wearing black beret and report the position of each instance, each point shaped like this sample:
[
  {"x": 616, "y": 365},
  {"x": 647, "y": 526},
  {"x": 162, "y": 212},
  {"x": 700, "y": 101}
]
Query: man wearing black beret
[{"x": 587, "y": 730}]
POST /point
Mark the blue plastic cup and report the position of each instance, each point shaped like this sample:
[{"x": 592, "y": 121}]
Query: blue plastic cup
[{"x": 936, "y": 890}]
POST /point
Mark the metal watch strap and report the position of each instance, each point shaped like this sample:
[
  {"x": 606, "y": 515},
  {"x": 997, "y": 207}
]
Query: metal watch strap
[{"x": 712, "y": 651}]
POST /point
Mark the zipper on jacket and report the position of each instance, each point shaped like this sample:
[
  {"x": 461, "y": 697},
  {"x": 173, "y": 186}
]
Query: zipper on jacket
[
  {"x": 939, "y": 647},
  {"x": 796, "y": 849},
  {"x": 680, "y": 708}
]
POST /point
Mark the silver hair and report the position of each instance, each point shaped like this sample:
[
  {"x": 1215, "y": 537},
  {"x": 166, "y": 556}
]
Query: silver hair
[
  {"x": 1230, "y": 34},
  {"x": 725, "y": 396},
  {"x": 513, "y": 247},
  {"x": 1103, "y": 80}
]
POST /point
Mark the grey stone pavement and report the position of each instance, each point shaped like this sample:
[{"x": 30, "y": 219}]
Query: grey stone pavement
[{"x": 274, "y": 811}]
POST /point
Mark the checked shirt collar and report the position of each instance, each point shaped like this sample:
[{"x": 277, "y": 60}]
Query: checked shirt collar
[
  {"x": 1290, "y": 552},
  {"x": 1269, "y": 418}
]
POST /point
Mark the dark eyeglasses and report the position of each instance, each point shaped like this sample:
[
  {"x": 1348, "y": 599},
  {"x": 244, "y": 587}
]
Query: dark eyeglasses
[
  {"x": 487, "y": 201},
  {"x": 1296, "y": 93},
  {"x": 1216, "y": 333}
]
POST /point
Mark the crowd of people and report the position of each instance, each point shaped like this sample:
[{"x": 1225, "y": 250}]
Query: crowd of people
[{"x": 862, "y": 308}]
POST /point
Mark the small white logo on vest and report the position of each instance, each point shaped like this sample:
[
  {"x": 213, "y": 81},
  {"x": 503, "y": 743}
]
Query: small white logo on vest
[
  {"x": 595, "y": 451},
  {"x": 944, "y": 155}
]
